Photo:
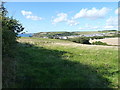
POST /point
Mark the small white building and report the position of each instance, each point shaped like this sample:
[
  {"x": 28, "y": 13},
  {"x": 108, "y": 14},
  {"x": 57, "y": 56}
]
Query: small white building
[{"x": 63, "y": 37}]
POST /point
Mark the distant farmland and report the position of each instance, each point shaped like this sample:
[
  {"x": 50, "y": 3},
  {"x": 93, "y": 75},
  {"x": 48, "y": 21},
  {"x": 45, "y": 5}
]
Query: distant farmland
[{"x": 109, "y": 41}]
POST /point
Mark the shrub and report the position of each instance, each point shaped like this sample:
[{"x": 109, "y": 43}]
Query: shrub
[
  {"x": 99, "y": 43},
  {"x": 10, "y": 29},
  {"x": 82, "y": 40},
  {"x": 97, "y": 37}
]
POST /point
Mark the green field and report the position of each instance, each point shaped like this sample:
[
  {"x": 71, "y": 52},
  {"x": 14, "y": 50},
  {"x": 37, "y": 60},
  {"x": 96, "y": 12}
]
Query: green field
[{"x": 50, "y": 63}]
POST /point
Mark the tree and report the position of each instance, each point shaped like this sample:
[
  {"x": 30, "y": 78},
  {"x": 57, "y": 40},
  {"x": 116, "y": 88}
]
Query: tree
[{"x": 10, "y": 29}]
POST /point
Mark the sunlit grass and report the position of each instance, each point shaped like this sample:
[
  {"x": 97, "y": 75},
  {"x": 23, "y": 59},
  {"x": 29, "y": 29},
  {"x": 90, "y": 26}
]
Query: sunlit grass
[{"x": 49, "y": 65}]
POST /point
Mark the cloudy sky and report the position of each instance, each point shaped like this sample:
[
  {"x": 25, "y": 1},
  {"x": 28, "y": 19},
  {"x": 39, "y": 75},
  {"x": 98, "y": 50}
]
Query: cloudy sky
[{"x": 65, "y": 16}]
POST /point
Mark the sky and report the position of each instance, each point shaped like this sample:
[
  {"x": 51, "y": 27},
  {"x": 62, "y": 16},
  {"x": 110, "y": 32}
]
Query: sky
[
  {"x": 61, "y": 0},
  {"x": 64, "y": 16}
]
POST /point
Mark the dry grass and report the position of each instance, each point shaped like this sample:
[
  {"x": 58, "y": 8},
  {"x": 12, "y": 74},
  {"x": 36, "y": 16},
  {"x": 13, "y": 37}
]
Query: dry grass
[
  {"x": 68, "y": 43},
  {"x": 109, "y": 41}
]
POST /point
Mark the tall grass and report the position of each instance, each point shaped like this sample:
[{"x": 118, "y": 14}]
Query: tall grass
[{"x": 45, "y": 65}]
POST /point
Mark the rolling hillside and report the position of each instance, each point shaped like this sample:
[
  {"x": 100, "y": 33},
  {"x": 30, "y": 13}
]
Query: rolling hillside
[{"x": 50, "y": 63}]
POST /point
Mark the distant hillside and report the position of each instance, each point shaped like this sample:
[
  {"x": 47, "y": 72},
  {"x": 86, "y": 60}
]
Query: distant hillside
[
  {"x": 53, "y": 34},
  {"x": 108, "y": 31},
  {"x": 50, "y": 34}
]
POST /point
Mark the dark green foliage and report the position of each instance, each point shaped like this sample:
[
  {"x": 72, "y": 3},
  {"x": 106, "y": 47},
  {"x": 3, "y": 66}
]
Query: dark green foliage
[
  {"x": 108, "y": 30},
  {"x": 82, "y": 40},
  {"x": 54, "y": 34},
  {"x": 99, "y": 43},
  {"x": 68, "y": 33},
  {"x": 3, "y": 11},
  {"x": 97, "y": 37},
  {"x": 10, "y": 29},
  {"x": 51, "y": 37}
]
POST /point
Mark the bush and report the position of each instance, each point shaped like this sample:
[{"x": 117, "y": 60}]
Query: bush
[
  {"x": 97, "y": 37},
  {"x": 99, "y": 43},
  {"x": 10, "y": 29},
  {"x": 82, "y": 40}
]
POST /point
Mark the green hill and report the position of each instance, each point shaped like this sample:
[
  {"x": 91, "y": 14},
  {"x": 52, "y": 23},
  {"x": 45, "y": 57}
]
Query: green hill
[
  {"x": 51, "y": 34},
  {"x": 52, "y": 63}
]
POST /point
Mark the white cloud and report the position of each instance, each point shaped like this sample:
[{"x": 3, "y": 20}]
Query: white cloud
[
  {"x": 117, "y": 11},
  {"x": 110, "y": 27},
  {"x": 89, "y": 27},
  {"x": 112, "y": 21},
  {"x": 26, "y": 12},
  {"x": 92, "y": 13},
  {"x": 72, "y": 22},
  {"x": 29, "y": 15},
  {"x": 61, "y": 17},
  {"x": 33, "y": 17}
]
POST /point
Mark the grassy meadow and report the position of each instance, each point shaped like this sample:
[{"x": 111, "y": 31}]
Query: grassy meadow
[
  {"x": 53, "y": 63},
  {"x": 36, "y": 54}
]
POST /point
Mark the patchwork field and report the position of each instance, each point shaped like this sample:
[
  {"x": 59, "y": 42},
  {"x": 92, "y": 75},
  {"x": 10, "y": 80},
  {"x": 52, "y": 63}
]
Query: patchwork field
[{"x": 50, "y": 63}]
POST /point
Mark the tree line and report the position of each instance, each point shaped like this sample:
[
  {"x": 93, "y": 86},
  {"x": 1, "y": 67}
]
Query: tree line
[{"x": 10, "y": 29}]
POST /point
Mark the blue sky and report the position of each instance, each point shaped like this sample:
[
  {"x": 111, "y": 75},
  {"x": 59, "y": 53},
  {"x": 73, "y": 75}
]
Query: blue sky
[{"x": 64, "y": 16}]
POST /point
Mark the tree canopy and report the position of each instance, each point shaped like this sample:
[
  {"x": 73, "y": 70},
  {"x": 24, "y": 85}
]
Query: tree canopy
[{"x": 10, "y": 29}]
